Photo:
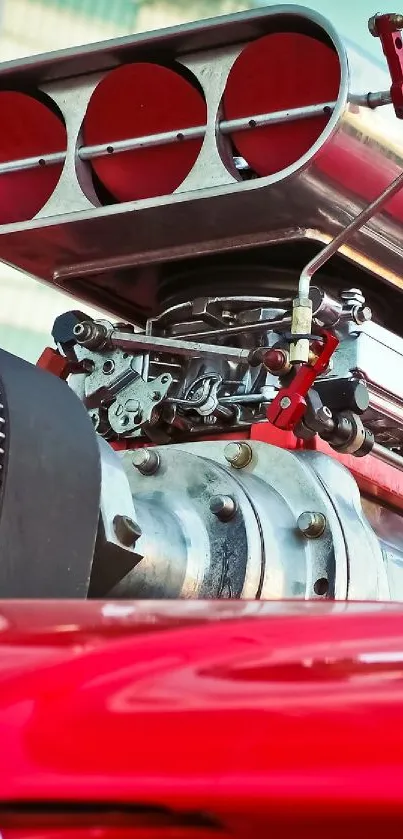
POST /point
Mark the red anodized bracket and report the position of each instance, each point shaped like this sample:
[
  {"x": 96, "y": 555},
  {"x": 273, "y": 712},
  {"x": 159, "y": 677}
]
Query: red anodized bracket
[
  {"x": 52, "y": 361},
  {"x": 289, "y": 405},
  {"x": 388, "y": 29}
]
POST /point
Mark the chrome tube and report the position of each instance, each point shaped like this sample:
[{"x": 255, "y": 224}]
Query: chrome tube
[{"x": 387, "y": 456}]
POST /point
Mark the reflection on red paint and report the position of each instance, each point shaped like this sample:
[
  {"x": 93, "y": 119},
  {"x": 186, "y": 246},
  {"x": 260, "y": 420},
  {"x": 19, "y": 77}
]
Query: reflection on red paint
[
  {"x": 30, "y": 129},
  {"x": 137, "y": 100},
  {"x": 281, "y": 71}
]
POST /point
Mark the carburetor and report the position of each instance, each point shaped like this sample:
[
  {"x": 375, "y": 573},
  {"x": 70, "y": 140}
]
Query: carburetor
[{"x": 231, "y": 425}]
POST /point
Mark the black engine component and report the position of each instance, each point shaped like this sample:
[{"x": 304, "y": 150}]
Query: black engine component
[
  {"x": 50, "y": 485},
  {"x": 343, "y": 394}
]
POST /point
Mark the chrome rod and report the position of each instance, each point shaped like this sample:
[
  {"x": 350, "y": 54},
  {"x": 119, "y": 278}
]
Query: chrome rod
[
  {"x": 324, "y": 255},
  {"x": 197, "y": 132},
  {"x": 152, "y": 343},
  {"x": 276, "y": 117},
  {"x": 146, "y": 142},
  {"x": 32, "y": 162},
  {"x": 241, "y": 329},
  {"x": 387, "y": 456},
  {"x": 169, "y": 137}
]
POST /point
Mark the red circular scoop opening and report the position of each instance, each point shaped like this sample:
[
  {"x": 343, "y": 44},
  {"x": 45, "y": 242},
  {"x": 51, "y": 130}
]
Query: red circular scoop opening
[
  {"x": 278, "y": 72},
  {"x": 30, "y": 129},
  {"x": 137, "y": 100}
]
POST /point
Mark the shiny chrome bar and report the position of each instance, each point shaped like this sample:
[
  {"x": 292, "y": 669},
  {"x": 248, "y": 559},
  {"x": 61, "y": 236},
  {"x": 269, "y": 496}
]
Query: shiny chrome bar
[
  {"x": 168, "y": 137},
  {"x": 324, "y": 255},
  {"x": 32, "y": 162},
  {"x": 387, "y": 456},
  {"x": 153, "y": 343}
]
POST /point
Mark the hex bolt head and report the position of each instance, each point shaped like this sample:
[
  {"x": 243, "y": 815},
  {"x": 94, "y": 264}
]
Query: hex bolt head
[
  {"x": 147, "y": 461},
  {"x": 90, "y": 334},
  {"x": 362, "y": 314},
  {"x": 223, "y": 506},
  {"x": 81, "y": 329},
  {"x": 395, "y": 20},
  {"x": 238, "y": 455},
  {"x": 88, "y": 365},
  {"x": 325, "y": 417},
  {"x": 126, "y": 530},
  {"x": 108, "y": 366},
  {"x": 132, "y": 406},
  {"x": 311, "y": 525},
  {"x": 63, "y": 328}
]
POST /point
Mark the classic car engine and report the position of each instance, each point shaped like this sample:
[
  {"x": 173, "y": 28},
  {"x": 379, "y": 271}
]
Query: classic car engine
[{"x": 228, "y": 193}]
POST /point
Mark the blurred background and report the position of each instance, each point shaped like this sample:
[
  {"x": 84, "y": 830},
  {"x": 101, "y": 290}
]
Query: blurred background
[{"x": 27, "y": 27}]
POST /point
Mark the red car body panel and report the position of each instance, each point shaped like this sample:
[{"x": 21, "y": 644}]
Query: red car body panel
[{"x": 251, "y": 715}]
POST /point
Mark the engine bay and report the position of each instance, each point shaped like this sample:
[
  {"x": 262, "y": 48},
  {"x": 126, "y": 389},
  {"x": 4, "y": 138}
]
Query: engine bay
[{"x": 232, "y": 427}]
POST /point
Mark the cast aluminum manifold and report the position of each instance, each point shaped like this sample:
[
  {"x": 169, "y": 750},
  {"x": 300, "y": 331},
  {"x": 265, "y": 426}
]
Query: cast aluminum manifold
[
  {"x": 114, "y": 256},
  {"x": 249, "y": 520}
]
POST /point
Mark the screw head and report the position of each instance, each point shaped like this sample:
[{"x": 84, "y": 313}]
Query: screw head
[
  {"x": 311, "y": 525},
  {"x": 132, "y": 406},
  {"x": 325, "y": 416},
  {"x": 147, "y": 461},
  {"x": 85, "y": 331},
  {"x": 285, "y": 402},
  {"x": 108, "y": 366},
  {"x": 238, "y": 455},
  {"x": 362, "y": 314},
  {"x": 88, "y": 365},
  {"x": 126, "y": 530},
  {"x": 80, "y": 330},
  {"x": 223, "y": 506}
]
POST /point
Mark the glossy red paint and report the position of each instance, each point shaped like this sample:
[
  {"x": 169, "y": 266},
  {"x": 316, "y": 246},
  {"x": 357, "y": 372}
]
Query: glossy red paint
[
  {"x": 296, "y": 392},
  {"x": 249, "y": 713},
  {"x": 54, "y": 362},
  {"x": 279, "y": 71},
  {"x": 34, "y": 129},
  {"x": 137, "y": 100}
]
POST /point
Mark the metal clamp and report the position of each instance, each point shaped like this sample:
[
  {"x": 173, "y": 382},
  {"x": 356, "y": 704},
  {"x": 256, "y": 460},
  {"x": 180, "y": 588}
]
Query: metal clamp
[
  {"x": 289, "y": 406},
  {"x": 388, "y": 29}
]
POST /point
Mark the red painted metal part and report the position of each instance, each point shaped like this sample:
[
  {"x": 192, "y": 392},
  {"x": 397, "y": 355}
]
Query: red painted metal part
[
  {"x": 273, "y": 717},
  {"x": 30, "y": 129},
  {"x": 280, "y": 71},
  {"x": 387, "y": 29},
  {"x": 52, "y": 361},
  {"x": 288, "y": 416},
  {"x": 137, "y": 100}
]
